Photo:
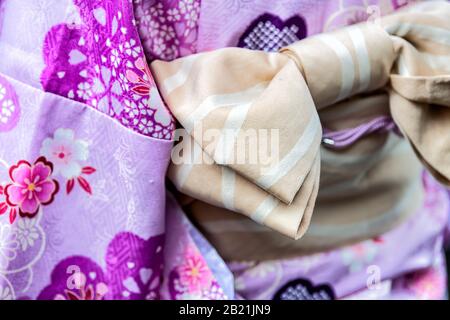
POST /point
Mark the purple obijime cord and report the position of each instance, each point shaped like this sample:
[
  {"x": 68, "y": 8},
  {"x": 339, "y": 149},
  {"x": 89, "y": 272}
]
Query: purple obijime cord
[{"x": 344, "y": 138}]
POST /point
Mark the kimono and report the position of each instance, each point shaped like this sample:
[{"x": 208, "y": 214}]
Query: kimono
[{"x": 86, "y": 211}]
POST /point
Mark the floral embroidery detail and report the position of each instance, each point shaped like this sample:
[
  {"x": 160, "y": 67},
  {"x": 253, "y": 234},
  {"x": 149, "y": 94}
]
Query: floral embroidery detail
[
  {"x": 27, "y": 233},
  {"x": 87, "y": 62},
  {"x": 8, "y": 245},
  {"x": 66, "y": 152},
  {"x": 4, "y": 207},
  {"x": 194, "y": 273},
  {"x": 144, "y": 87},
  {"x": 21, "y": 246},
  {"x": 31, "y": 186},
  {"x": 143, "y": 84},
  {"x": 168, "y": 29},
  {"x": 9, "y": 106},
  {"x": 193, "y": 279},
  {"x": 133, "y": 271}
]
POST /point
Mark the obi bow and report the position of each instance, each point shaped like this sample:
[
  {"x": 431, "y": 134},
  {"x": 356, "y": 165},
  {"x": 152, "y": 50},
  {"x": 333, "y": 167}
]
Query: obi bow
[{"x": 228, "y": 96}]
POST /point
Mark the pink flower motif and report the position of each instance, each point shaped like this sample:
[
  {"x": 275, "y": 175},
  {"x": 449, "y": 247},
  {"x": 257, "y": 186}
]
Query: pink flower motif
[
  {"x": 428, "y": 284},
  {"x": 86, "y": 291},
  {"x": 194, "y": 273},
  {"x": 32, "y": 186},
  {"x": 4, "y": 207},
  {"x": 144, "y": 83},
  {"x": 144, "y": 86}
]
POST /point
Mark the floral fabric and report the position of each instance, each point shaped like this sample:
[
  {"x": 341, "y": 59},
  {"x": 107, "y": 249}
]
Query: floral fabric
[
  {"x": 85, "y": 141},
  {"x": 82, "y": 216},
  {"x": 379, "y": 268},
  {"x": 168, "y": 28},
  {"x": 99, "y": 61}
]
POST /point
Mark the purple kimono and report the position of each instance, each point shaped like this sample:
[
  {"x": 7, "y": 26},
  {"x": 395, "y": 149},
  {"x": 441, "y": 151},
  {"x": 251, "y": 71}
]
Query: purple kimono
[{"x": 85, "y": 141}]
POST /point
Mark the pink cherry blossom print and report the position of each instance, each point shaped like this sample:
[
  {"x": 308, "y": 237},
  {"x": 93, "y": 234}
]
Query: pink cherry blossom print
[
  {"x": 5, "y": 207},
  {"x": 9, "y": 106},
  {"x": 194, "y": 273},
  {"x": 65, "y": 153},
  {"x": 142, "y": 85},
  {"x": 31, "y": 187},
  {"x": 193, "y": 280}
]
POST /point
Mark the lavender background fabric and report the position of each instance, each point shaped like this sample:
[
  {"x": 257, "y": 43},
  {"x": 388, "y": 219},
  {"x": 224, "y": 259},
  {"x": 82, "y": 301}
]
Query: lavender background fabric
[
  {"x": 84, "y": 212},
  {"x": 111, "y": 242},
  {"x": 126, "y": 195},
  {"x": 269, "y": 25},
  {"x": 79, "y": 106}
]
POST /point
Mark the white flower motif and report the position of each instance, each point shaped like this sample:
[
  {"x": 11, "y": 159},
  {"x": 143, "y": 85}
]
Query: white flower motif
[
  {"x": 157, "y": 10},
  {"x": 191, "y": 18},
  {"x": 135, "y": 109},
  {"x": 144, "y": 16},
  {"x": 8, "y": 245},
  {"x": 132, "y": 49},
  {"x": 173, "y": 15},
  {"x": 158, "y": 46},
  {"x": 153, "y": 28},
  {"x": 64, "y": 151},
  {"x": 186, "y": 6},
  {"x": 84, "y": 90},
  {"x": 146, "y": 126},
  {"x": 115, "y": 58},
  {"x": 167, "y": 32},
  {"x": 123, "y": 82},
  {"x": 6, "y": 293},
  {"x": 108, "y": 90},
  {"x": 6, "y": 110},
  {"x": 27, "y": 233},
  {"x": 131, "y": 109}
]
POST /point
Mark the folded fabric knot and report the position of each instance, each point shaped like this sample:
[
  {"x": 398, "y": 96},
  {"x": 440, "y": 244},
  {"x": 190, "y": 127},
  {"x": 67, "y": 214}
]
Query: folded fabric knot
[{"x": 252, "y": 134}]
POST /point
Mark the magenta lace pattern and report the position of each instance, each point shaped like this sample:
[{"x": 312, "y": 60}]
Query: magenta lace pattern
[
  {"x": 100, "y": 62},
  {"x": 168, "y": 28}
]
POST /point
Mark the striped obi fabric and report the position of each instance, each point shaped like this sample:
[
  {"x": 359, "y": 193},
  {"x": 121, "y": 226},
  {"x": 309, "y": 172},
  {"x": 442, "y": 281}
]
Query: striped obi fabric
[{"x": 225, "y": 98}]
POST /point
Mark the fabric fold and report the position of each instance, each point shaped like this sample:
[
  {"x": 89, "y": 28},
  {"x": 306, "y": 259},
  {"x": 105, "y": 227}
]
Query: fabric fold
[{"x": 226, "y": 98}]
